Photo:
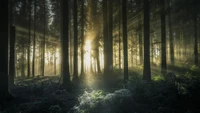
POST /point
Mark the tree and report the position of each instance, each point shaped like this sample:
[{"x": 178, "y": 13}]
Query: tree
[
  {"x": 34, "y": 39},
  {"x": 75, "y": 41},
  {"x": 195, "y": 34},
  {"x": 44, "y": 39},
  {"x": 29, "y": 37},
  {"x": 147, "y": 69},
  {"x": 171, "y": 39},
  {"x": 82, "y": 37},
  {"x": 163, "y": 38},
  {"x": 119, "y": 27},
  {"x": 108, "y": 60},
  {"x": 12, "y": 56},
  {"x": 64, "y": 43},
  {"x": 124, "y": 20},
  {"x": 4, "y": 31}
]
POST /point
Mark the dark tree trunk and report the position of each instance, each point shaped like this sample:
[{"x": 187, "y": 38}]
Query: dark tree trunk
[
  {"x": 34, "y": 40},
  {"x": 29, "y": 40},
  {"x": 163, "y": 38},
  {"x": 4, "y": 31},
  {"x": 140, "y": 34},
  {"x": 44, "y": 40},
  {"x": 75, "y": 41},
  {"x": 110, "y": 37},
  {"x": 195, "y": 34},
  {"x": 119, "y": 25},
  {"x": 171, "y": 38},
  {"x": 105, "y": 35},
  {"x": 147, "y": 69},
  {"x": 64, "y": 43},
  {"x": 124, "y": 20},
  {"x": 82, "y": 37},
  {"x": 12, "y": 56}
]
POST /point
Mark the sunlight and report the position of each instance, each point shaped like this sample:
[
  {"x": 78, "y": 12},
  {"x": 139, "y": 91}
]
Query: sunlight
[{"x": 87, "y": 57}]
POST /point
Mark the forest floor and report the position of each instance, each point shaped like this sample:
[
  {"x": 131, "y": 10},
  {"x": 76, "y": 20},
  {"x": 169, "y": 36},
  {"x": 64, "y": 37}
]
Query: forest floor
[{"x": 46, "y": 95}]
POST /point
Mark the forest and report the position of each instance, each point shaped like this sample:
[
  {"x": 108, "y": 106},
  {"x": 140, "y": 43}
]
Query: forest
[{"x": 100, "y": 56}]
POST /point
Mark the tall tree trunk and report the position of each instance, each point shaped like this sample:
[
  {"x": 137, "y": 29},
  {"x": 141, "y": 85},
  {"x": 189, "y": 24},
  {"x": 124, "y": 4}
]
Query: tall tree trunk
[
  {"x": 140, "y": 34},
  {"x": 124, "y": 20},
  {"x": 44, "y": 40},
  {"x": 82, "y": 37},
  {"x": 119, "y": 27},
  {"x": 29, "y": 39},
  {"x": 105, "y": 35},
  {"x": 34, "y": 40},
  {"x": 64, "y": 43},
  {"x": 147, "y": 68},
  {"x": 4, "y": 33},
  {"x": 171, "y": 38},
  {"x": 163, "y": 38},
  {"x": 75, "y": 41},
  {"x": 12, "y": 56},
  {"x": 110, "y": 37},
  {"x": 195, "y": 34}
]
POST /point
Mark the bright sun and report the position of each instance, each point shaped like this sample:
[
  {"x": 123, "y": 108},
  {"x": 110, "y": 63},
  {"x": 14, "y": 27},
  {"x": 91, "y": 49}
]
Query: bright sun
[{"x": 87, "y": 56}]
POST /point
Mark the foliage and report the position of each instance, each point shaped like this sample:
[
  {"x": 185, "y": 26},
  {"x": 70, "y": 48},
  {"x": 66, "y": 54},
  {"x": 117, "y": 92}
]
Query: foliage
[{"x": 101, "y": 102}]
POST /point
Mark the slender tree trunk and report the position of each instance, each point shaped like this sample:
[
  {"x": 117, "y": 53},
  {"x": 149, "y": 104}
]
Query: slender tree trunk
[
  {"x": 44, "y": 40},
  {"x": 82, "y": 37},
  {"x": 140, "y": 34},
  {"x": 119, "y": 34},
  {"x": 110, "y": 37},
  {"x": 29, "y": 40},
  {"x": 12, "y": 56},
  {"x": 195, "y": 34},
  {"x": 124, "y": 20},
  {"x": 4, "y": 33},
  {"x": 64, "y": 43},
  {"x": 163, "y": 39},
  {"x": 171, "y": 38},
  {"x": 75, "y": 41},
  {"x": 34, "y": 40},
  {"x": 105, "y": 35},
  {"x": 147, "y": 68}
]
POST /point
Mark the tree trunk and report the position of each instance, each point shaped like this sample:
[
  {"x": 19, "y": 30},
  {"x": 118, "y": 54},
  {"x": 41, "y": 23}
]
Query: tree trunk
[
  {"x": 44, "y": 40},
  {"x": 171, "y": 38},
  {"x": 64, "y": 43},
  {"x": 124, "y": 20},
  {"x": 119, "y": 34},
  {"x": 82, "y": 37},
  {"x": 75, "y": 41},
  {"x": 195, "y": 35},
  {"x": 29, "y": 40},
  {"x": 4, "y": 33},
  {"x": 163, "y": 39},
  {"x": 105, "y": 35},
  {"x": 147, "y": 69},
  {"x": 34, "y": 40},
  {"x": 12, "y": 56}
]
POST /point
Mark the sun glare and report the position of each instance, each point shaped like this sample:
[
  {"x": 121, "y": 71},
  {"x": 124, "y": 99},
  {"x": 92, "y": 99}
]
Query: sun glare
[{"x": 87, "y": 56}]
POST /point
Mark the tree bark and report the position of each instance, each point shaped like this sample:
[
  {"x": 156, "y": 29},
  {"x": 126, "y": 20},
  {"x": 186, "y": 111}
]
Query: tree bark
[
  {"x": 124, "y": 20},
  {"x": 82, "y": 37},
  {"x": 4, "y": 33},
  {"x": 163, "y": 39},
  {"x": 195, "y": 34},
  {"x": 75, "y": 41},
  {"x": 34, "y": 40},
  {"x": 29, "y": 40},
  {"x": 147, "y": 68},
  {"x": 64, "y": 44},
  {"x": 171, "y": 38},
  {"x": 44, "y": 40},
  {"x": 12, "y": 56}
]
